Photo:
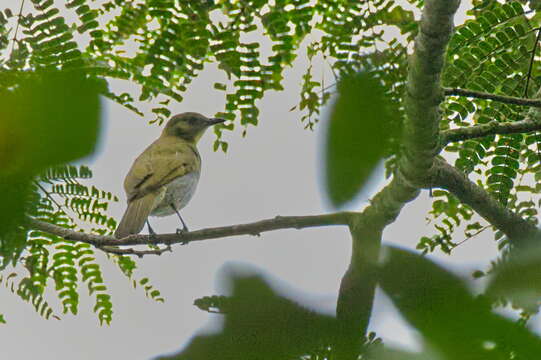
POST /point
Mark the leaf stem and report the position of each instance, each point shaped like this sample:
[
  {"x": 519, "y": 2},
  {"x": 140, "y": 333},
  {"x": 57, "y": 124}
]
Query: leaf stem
[
  {"x": 16, "y": 28},
  {"x": 500, "y": 98}
]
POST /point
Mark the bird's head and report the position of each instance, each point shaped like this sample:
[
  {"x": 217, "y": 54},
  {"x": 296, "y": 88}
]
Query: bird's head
[{"x": 189, "y": 126}]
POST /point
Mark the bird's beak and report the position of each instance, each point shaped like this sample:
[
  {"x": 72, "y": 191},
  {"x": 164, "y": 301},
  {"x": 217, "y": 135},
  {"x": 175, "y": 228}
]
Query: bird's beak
[{"x": 214, "y": 121}]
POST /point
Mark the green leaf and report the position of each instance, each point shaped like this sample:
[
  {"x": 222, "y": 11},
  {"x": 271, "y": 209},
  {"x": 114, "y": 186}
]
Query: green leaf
[
  {"x": 53, "y": 117},
  {"x": 399, "y": 17},
  {"x": 518, "y": 280},
  {"x": 360, "y": 126},
  {"x": 439, "y": 305},
  {"x": 220, "y": 86},
  {"x": 261, "y": 324},
  {"x": 47, "y": 119}
]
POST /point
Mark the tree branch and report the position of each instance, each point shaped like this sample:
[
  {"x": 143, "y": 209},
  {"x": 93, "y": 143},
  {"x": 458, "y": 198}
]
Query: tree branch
[
  {"x": 358, "y": 285},
  {"x": 424, "y": 93},
  {"x": 357, "y": 288},
  {"x": 519, "y": 230},
  {"x": 491, "y": 128},
  {"x": 500, "y": 98},
  {"x": 255, "y": 228},
  {"x": 420, "y": 146}
]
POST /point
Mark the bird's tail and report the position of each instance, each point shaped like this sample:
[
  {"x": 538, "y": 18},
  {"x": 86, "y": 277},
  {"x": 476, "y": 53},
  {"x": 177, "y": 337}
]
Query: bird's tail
[{"x": 135, "y": 216}]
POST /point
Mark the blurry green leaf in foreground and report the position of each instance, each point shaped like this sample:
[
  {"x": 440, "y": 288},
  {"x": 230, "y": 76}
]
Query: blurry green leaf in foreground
[
  {"x": 519, "y": 280},
  {"x": 358, "y": 132},
  {"x": 45, "y": 120},
  {"x": 259, "y": 324},
  {"x": 48, "y": 119},
  {"x": 387, "y": 353},
  {"x": 439, "y": 305},
  {"x": 398, "y": 16}
]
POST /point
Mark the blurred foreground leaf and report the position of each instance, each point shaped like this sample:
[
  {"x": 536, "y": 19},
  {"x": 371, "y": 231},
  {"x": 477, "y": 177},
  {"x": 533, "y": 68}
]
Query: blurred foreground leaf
[
  {"x": 259, "y": 324},
  {"x": 519, "y": 280},
  {"x": 46, "y": 119},
  {"x": 386, "y": 353},
  {"x": 359, "y": 130},
  {"x": 438, "y": 304}
]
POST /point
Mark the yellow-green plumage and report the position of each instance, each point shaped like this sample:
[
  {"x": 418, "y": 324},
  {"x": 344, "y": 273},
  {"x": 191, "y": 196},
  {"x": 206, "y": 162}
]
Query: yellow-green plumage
[
  {"x": 165, "y": 174},
  {"x": 135, "y": 216}
]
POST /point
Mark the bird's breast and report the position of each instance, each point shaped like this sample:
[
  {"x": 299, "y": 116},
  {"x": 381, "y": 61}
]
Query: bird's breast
[{"x": 178, "y": 192}]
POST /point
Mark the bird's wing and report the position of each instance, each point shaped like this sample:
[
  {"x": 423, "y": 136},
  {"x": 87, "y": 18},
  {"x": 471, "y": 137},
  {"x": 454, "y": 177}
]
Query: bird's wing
[{"x": 162, "y": 162}]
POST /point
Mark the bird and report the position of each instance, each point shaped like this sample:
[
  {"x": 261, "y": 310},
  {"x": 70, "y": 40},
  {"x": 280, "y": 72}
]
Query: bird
[{"x": 163, "y": 178}]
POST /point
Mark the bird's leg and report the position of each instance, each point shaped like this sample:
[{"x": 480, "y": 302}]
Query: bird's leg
[
  {"x": 184, "y": 227},
  {"x": 152, "y": 236},
  {"x": 151, "y": 231}
]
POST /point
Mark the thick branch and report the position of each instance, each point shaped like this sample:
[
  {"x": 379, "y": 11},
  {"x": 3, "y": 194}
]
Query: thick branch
[
  {"x": 420, "y": 146},
  {"x": 424, "y": 93},
  {"x": 513, "y": 225},
  {"x": 491, "y": 128},
  {"x": 255, "y": 228},
  {"x": 500, "y": 98},
  {"x": 358, "y": 285}
]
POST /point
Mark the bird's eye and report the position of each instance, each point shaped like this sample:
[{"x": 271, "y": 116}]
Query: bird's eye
[{"x": 192, "y": 120}]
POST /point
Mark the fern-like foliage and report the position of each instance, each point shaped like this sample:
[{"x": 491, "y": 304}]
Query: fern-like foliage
[
  {"x": 174, "y": 39},
  {"x": 62, "y": 198},
  {"x": 29, "y": 292},
  {"x": 74, "y": 263},
  {"x": 65, "y": 263},
  {"x": 163, "y": 45},
  {"x": 490, "y": 53},
  {"x": 171, "y": 40},
  {"x": 4, "y": 33},
  {"x": 49, "y": 38}
]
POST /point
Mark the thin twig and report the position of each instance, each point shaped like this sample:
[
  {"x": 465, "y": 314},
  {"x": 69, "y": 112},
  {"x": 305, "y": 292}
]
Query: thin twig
[
  {"x": 472, "y": 236},
  {"x": 327, "y": 87},
  {"x": 47, "y": 194},
  {"x": 255, "y": 228},
  {"x": 500, "y": 98},
  {"x": 336, "y": 77},
  {"x": 532, "y": 56},
  {"x": 491, "y": 128},
  {"x": 16, "y": 28}
]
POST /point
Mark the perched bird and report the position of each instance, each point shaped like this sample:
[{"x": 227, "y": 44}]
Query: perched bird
[{"x": 163, "y": 178}]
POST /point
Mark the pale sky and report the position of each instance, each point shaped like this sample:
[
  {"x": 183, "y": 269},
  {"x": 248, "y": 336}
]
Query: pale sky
[{"x": 275, "y": 170}]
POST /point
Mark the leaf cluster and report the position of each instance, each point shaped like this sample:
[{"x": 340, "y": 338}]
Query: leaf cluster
[
  {"x": 452, "y": 322},
  {"x": 493, "y": 53},
  {"x": 54, "y": 70}
]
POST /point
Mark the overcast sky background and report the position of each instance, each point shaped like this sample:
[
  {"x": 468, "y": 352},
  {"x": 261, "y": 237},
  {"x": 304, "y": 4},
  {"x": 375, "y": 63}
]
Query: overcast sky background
[{"x": 275, "y": 170}]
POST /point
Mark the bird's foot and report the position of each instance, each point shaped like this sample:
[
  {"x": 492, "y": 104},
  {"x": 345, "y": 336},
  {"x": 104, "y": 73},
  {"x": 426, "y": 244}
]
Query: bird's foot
[
  {"x": 181, "y": 232},
  {"x": 152, "y": 237},
  {"x": 151, "y": 234}
]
